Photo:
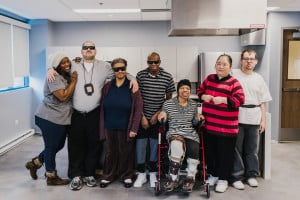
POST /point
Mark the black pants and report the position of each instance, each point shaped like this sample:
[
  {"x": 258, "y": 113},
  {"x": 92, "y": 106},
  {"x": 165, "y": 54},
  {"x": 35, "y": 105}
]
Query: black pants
[
  {"x": 83, "y": 143},
  {"x": 219, "y": 152}
]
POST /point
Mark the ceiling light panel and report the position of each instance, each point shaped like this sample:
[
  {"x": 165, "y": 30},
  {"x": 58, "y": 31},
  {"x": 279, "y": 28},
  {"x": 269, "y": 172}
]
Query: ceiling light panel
[{"x": 106, "y": 4}]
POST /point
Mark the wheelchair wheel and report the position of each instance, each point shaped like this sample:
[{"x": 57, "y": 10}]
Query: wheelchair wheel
[{"x": 207, "y": 190}]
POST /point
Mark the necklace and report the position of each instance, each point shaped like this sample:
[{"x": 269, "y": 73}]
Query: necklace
[{"x": 88, "y": 87}]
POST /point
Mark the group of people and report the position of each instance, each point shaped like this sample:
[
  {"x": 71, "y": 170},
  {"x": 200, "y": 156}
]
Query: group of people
[{"x": 89, "y": 101}]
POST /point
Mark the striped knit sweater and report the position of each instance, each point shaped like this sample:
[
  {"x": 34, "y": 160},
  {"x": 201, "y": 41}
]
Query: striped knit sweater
[{"x": 221, "y": 119}]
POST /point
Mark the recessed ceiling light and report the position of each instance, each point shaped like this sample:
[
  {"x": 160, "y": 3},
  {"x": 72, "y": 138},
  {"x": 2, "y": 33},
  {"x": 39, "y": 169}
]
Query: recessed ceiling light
[{"x": 107, "y": 10}]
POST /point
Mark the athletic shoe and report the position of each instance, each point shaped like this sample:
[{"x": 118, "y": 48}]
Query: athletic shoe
[
  {"x": 252, "y": 182},
  {"x": 238, "y": 185},
  {"x": 222, "y": 186},
  {"x": 212, "y": 180},
  {"x": 141, "y": 179},
  {"x": 153, "y": 179},
  {"x": 76, "y": 183},
  {"x": 90, "y": 181}
]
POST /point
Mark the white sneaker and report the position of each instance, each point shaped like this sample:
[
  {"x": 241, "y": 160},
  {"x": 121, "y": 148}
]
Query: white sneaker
[
  {"x": 153, "y": 179},
  {"x": 252, "y": 182},
  {"x": 222, "y": 186},
  {"x": 238, "y": 185},
  {"x": 212, "y": 180},
  {"x": 141, "y": 179},
  {"x": 128, "y": 180}
]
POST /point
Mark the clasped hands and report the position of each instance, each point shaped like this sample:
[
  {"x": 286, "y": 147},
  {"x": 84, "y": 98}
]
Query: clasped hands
[{"x": 216, "y": 100}]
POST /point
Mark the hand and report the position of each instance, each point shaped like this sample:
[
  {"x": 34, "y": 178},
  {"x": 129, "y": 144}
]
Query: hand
[
  {"x": 132, "y": 134},
  {"x": 74, "y": 76},
  {"x": 162, "y": 116},
  {"x": 219, "y": 100},
  {"x": 145, "y": 123},
  {"x": 51, "y": 75},
  {"x": 153, "y": 119},
  {"x": 134, "y": 85},
  {"x": 207, "y": 98},
  {"x": 77, "y": 59},
  {"x": 200, "y": 117},
  {"x": 262, "y": 127}
]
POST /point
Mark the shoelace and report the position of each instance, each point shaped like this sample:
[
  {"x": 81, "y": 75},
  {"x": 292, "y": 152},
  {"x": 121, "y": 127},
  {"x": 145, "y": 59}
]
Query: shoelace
[{"x": 76, "y": 179}]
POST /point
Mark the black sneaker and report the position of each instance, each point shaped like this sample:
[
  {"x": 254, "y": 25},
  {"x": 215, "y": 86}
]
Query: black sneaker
[
  {"x": 90, "y": 181},
  {"x": 76, "y": 183}
]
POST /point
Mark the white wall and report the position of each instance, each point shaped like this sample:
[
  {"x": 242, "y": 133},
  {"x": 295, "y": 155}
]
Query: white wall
[
  {"x": 15, "y": 114},
  {"x": 135, "y": 34},
  {"x": 39, "y": 38}
]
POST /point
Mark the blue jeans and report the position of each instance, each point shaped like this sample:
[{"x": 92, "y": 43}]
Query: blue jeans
[
  {"x": 54, "y": 136},
  {"x": 246, "y": 152},
  {"x": 141, "y": 149}
]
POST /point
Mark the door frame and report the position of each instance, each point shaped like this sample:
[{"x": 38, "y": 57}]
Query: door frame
[{"x": 286, "y": 134}]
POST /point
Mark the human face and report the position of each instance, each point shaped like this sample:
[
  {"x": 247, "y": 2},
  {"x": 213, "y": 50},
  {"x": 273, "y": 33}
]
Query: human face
[
  {"x": 184, "y": 92},
  {"x": 119, "y": 70},
  {"x": 65, "y": 65},
  {"x": 223, "y": 67},
  {"x": 88, "y": 51},
  {"x": 248, "y": 61},
  {"x": 153, "y": 63}
]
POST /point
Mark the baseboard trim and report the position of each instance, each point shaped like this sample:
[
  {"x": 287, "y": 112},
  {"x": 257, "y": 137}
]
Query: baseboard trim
[{"x": 13, "y": 143}]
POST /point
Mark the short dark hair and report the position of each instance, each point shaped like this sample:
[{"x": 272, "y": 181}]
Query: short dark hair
[
  {"x": 154, "y": 54},
  {"x": 119, "y": 60}
]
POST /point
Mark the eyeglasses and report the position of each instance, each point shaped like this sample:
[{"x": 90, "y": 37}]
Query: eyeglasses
[
  {"x": 249, "y": 59},
  {"x": 88, "y": 47},
  {"x": 151, "y": 62},
  {"x": 117, "y": 69}
]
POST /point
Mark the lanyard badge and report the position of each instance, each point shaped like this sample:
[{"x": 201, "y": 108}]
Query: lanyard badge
[{"x": 89, "y": 89}]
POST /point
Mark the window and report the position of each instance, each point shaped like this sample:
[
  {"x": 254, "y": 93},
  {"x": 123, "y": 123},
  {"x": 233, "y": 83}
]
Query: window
[{"x": 14, "y": 54}]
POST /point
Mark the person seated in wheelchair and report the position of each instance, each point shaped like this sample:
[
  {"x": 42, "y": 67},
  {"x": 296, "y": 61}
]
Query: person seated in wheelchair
[{"x": 181, "y": 114}]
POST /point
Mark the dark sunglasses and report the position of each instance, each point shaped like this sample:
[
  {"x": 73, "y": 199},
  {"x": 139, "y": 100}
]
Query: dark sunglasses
[
  {"x": 150, "y": 62},
  {"x": 88, "y": 47},
  {"x": 116, "y": 69}
]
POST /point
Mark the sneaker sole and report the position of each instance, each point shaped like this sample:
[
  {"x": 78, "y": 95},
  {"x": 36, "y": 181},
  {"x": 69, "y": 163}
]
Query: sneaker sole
[
  {"x": 89, "y": 185},
  {"x": 75, "y": 189},
  {"x": 139, "y": 186},
  {"x": 238, "y": 188}
]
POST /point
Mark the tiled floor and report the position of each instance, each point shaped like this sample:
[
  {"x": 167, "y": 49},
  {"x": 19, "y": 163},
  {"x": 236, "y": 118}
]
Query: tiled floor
[{"x": 15, "y": 182}]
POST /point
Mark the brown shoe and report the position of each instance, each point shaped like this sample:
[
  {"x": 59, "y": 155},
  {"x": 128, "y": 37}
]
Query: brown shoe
[
  {"x": 54, "y": 179},
  {"x": 170, "y": 185},
  {"x": 33, "y": 166},
  {"x": 188, "y": 184}
]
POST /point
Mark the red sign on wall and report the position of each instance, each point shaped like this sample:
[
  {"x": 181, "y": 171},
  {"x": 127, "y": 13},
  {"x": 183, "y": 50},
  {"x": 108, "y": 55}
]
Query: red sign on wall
[{"x": 257, "y": 26}]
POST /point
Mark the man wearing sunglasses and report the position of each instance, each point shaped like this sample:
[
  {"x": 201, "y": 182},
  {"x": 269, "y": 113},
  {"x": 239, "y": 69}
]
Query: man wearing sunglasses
[
  {"x": 83, "y": 140},
  {"x": 156, "y": 85}
]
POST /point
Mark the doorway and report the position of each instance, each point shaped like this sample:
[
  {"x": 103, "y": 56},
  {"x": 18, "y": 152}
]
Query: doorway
[{"x": 290, "y": 96}]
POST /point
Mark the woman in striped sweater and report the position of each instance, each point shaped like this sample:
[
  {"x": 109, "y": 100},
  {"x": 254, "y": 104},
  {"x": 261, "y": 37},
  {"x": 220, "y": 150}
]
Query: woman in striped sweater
[
  {"x": 221, "y": 95},
  {"x": 180, "y": 112}
]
